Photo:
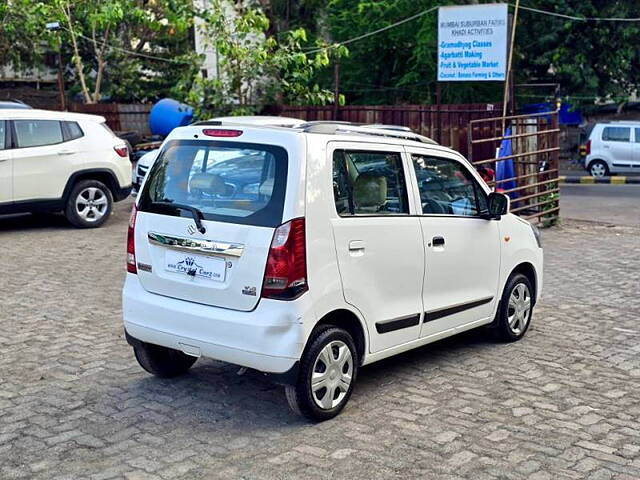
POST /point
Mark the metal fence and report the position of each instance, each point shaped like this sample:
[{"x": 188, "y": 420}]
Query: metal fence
[
  {"x": 535, "y": 152},
  {"x": 121, "y": 117},
  {"x": 446, "y": 124}
]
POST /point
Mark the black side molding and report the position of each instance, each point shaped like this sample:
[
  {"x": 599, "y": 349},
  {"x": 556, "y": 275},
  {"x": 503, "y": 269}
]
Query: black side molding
[
  {"x": 398, "y": 323},
  {"x": 445, "y": 312}
]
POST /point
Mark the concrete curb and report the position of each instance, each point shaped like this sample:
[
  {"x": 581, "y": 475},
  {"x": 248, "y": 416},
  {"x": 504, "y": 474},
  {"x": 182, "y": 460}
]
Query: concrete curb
[{"x": 617, "y": 180}]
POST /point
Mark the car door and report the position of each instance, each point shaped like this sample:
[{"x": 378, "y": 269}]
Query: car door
[
  {"x": 378, "y": 242},
  {"x": 616, "y": 142},
  {"x": 42, "y": 161},
  {"x": 6, "y": 165},
  {"x": 635, "y": 164},
  {"x": 462, "y": 249}
]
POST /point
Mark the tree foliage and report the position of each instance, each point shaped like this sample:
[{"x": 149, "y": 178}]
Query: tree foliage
[
  {"x": 268, "y": 50},
  {"x": 255, "y": 67},
  {"x": 107, "y": 46},
  {"x": 590, "y": 60}
]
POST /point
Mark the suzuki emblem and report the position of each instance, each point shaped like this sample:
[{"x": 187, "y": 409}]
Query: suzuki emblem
[{"x": 191, "y": 229}]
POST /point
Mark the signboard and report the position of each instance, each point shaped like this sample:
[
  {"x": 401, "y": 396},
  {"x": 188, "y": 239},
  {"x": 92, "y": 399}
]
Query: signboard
[{"x": 472, "y": 43}]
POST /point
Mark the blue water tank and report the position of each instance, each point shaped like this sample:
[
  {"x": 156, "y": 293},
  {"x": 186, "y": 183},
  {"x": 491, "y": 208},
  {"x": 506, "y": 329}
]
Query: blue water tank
[{"x": 168, "y": 114}]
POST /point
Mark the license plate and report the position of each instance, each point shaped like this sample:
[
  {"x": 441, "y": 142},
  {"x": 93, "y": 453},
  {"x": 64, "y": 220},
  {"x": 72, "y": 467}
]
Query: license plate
[{"x": 210, "y": 268}]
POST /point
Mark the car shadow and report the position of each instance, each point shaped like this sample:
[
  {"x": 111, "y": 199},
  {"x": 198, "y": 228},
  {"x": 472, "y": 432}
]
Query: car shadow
[
  {"x": 32, "y": 221},
  {"x": 213, "y": 393}
]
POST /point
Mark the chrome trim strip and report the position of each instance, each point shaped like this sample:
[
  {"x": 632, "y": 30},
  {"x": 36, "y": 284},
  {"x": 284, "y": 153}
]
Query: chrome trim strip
[{"x": 202, "y": 247}]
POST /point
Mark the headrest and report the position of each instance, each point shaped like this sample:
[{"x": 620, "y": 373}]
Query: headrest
[
  {"x": 208, "y": 183},
  {"x": 370, "y": 190},
  {"x": 266, "y": 188}
]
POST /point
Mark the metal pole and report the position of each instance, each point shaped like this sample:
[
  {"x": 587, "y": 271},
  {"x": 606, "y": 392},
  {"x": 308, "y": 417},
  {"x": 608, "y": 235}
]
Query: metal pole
[
  {"x": 336, "y": 93},
  {"x": 63, "y": 103},
  {"x": 510, "y": 59},
  {"x": 439, "y": 107}
]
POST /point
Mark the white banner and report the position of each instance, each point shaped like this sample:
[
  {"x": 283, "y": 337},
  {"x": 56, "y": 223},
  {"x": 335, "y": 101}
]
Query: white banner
[{"x": 472, "y": 43}]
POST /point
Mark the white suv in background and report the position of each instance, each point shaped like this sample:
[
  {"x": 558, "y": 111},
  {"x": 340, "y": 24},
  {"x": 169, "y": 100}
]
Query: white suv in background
[
  {"x": 311, "y": 250},
  {"x": 60, "y": 161},
  {"x": 613, "y": 148}
]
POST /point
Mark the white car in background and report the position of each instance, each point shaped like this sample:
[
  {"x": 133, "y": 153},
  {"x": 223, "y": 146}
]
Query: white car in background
[
  {"x": 61, "y": 161},
  {"x": 613, "y": 148},
  {"x": 142, "y": 167}
]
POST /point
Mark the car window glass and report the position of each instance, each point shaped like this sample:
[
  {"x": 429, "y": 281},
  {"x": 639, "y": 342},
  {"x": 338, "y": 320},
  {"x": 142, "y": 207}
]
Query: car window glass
[
  {"x": 3, "y": 134},
  {"x": 35, "y": 133},
  {"x": 369, "y": 183},
  {"x": 447, "y": 187},
  {"x": 74, "y": 130},
  {"x": 616, "y": 134},
  {"x": 637, "y": 135},
  {"x": 242, "y": 183}
]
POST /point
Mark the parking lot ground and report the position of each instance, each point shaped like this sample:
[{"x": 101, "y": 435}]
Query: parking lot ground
[
  {"x": 564, "y": 403},
  {"x": 613, "y": 204}
]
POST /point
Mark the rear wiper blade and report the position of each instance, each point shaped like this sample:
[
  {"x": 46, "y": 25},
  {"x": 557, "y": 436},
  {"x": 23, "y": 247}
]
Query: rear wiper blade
[{"x": 197, "y": 214}]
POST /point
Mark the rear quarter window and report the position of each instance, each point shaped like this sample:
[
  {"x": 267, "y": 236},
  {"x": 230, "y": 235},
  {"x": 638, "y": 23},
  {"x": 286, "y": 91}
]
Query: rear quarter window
[{"x": 227, "y": 181}]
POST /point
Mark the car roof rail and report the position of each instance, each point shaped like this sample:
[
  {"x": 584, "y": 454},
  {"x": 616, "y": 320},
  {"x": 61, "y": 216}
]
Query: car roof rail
[{"x": 392, "y": 131}]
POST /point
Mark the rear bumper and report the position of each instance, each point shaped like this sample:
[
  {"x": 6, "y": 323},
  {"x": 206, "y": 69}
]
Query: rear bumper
[{"x": 270, "y": 338}]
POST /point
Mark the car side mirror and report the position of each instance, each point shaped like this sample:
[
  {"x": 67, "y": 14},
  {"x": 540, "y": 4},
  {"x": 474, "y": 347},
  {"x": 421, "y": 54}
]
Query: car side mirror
[{"x": 498, "y": 204}]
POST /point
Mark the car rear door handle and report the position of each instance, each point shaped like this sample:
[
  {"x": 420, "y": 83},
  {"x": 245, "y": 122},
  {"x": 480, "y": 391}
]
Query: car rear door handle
[
  {"x": 66, "y": 152},
  {"x": 437, "y": 241},
  {"x": 356, "y": 245}
]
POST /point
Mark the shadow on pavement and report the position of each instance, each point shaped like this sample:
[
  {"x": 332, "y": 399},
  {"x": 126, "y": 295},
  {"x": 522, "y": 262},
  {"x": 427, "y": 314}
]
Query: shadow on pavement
[{"x": 213, "y": 392}]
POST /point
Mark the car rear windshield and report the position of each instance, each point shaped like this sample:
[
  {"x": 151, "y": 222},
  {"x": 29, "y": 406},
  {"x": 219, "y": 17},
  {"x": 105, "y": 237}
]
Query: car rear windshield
[{"x": 227, "y": 181}]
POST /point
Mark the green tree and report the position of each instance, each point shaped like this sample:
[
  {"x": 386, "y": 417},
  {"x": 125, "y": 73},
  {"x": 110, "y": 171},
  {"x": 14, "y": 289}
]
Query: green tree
[
  {"x": 113, "y": 47},
  {"x": 123, "y": 32},
  {"x": 398, "y": 65},
  {"x": 590, "y": 60},
  {"x": 255, "y": 68}
]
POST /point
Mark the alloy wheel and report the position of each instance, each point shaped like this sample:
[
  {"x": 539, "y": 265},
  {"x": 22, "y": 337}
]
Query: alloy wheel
[{"x": 91, "y": 204}]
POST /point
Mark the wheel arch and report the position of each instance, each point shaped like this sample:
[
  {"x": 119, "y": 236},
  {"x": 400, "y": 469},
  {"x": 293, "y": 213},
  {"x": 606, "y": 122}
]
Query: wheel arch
[
  {"x": 528, "y": 270},
  {"x": 350, "y": 322},
  {"x": 597, "y": 159},
  {"x": 104, "y": 175}
]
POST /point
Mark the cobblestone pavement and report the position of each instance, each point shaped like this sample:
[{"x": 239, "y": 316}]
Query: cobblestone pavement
[{"x": 564, "y": 403}]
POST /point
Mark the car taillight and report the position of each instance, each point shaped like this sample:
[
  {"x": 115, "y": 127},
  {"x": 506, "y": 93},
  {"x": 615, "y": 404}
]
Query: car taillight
[
  {"x": 131, "y": 242},
  {"x": 219, "y": 132},
  {"x": 285, "y": 276},
  {"x": 588, "y": 148},
  {"x": 121, "y": 150}
]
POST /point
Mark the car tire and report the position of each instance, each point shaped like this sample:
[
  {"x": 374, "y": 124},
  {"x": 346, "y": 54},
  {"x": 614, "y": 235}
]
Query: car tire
[
  {"x": 89, "y": 204},
  {"x": 599, "y": 168},
  {"x": 327, "y": 375},
  {"x": 514, "y": 317},
  {"x": 162, "y": 361}
]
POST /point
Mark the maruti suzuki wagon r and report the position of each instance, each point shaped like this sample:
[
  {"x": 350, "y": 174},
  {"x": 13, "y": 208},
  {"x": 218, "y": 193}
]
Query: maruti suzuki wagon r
[{"x": 307, "y": 250}]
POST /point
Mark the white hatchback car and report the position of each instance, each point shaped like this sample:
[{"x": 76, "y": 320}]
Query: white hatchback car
[
  {"x": 308, "y": 251},
  {"x": 613, "y": 148},
  {"x": 60, "y": 161}
]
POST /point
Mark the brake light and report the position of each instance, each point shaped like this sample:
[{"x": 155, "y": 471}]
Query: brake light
[
  {"x": 131, "y": 242},
  {"x": 121, "y": 150},
  {"x": 219, "y": 132},
  {"x": 285, "y": 276},
  {"x": 588, "y": 148}
]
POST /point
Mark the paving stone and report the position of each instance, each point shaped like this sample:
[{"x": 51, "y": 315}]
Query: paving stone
[{"x": 563, "y": 403}]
